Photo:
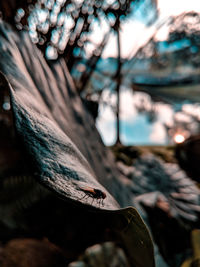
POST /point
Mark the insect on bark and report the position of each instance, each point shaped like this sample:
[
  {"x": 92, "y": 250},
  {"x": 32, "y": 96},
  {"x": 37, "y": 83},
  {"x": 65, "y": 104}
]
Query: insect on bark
[{"x": 93, "y": 193}]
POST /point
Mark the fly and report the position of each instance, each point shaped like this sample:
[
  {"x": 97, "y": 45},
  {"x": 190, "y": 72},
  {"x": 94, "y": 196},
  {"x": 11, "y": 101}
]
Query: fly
[{"x": 94, "y": 193}]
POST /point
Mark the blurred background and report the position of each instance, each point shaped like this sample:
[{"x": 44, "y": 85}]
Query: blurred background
[{"x": 134, "y": 63}]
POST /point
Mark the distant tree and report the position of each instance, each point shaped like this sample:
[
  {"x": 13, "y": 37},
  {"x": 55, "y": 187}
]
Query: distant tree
[
  {"x": 118, "y": 80},
  {"x": 185, "y": 29},
  {"x": 181, "y": 46}
]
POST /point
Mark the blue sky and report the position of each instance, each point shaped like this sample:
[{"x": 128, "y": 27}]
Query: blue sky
[{"x": 138, "y": 130}]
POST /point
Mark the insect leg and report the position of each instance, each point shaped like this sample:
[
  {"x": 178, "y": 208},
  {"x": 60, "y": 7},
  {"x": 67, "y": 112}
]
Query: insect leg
[
  {"x": 85, "y": 196},
  {"x": 99, "y": 202}
]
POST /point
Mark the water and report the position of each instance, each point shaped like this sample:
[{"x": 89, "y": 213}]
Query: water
[{"x": 136, "y": 128}]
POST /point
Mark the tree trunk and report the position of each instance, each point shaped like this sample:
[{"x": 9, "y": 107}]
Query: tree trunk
[{"x": 118, "y": 85}]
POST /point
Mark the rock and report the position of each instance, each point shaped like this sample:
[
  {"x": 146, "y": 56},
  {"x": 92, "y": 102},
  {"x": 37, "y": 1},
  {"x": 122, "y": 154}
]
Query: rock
[
  {"x": 168, "y": 200},
  {"x": 188, "y": 154},
  {"x": 169, "y": 183},
  {"x": 102, "y": 255}
]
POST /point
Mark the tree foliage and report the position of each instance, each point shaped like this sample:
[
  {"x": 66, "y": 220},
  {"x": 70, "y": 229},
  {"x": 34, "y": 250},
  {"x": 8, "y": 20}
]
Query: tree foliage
[
  {"x": 64, "y": 27},
  {"x": 181, "y": 43}
]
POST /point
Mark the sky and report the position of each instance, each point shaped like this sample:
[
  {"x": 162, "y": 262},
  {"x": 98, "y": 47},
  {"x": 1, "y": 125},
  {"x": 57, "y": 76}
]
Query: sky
[{"x": 176, "y": 7}]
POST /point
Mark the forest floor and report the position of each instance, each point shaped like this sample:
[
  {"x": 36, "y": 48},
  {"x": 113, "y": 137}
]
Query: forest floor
[{"x": 127, "y": 154}]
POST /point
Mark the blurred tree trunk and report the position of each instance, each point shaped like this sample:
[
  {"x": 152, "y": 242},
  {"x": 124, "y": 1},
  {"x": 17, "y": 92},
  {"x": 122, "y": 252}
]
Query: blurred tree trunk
[
  {"x": 118, "y": 82},
  {"x": 92, "y": 63}
]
